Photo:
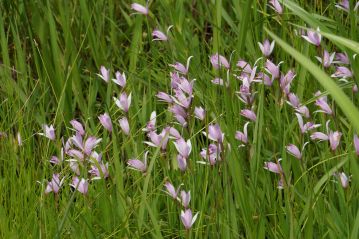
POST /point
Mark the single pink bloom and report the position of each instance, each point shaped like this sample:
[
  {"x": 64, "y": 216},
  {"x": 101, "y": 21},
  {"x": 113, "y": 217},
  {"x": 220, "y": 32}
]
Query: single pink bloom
[
  {"x": 124, "y": 125},
  {"x": 105, "y": 120},
  {"x": 187, "y": 219},
  {"x": 249, "y": 114},
  {"x": 199, "y": 113},
  {"x": 267, "y": 47},
  {"x": 123, "y": 102},
  {"x": 120, "y": 79},
  {"x": 49, "y": 132},
  {"x": 218, "y": 61},
  {"x": 159, "y": 36},
  {"x": 104, "y": 74},
  {"x": 313, "y": 37},
  {"x": 275, "y": 5},
  {"x": 293, "y": 150},
  {"x": 55, "y": 184},
  {"x": 80, "y": 185},
  {"x": 139, "y": 8},
  {"x": 77, "y": 126}
]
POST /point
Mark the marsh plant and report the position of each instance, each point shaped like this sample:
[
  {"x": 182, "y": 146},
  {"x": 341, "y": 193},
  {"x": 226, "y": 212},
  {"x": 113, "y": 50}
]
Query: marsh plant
[{"x": 179, "y": 119}]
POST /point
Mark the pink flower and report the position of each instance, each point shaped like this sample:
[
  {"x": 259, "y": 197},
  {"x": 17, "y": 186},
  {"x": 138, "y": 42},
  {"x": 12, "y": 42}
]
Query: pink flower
[
  {"x": 218, "y": 61},
  {"x": 183, "y": 147},
  {"x": 171, "y": 191},
  {"x": 99, "y": 170},
  {"x": 265, "y": 79},
  {"x": 124, "y": 125},
  {"x": 199, "y": 113},
  {"x": 323, "y": 105},
  {"x": 286, "y": 80},
  {"x": 249, "y": 114},
  {"x": 138, "y": 164},
  {"x": 266, "y": 47},
  {"x": 275, "y": 5},
  {"x": 80, "y": 185},
  {"x": 334, "y": 139},
  {"x": 327, "y": 59},
  {"x": 293, "y": 150},
  {"x": 293, "y": 100},
  {"x": 342, "y": 58},
  {"x": 215, "y": 133},
  {"x": 344, "y": 5},
  {"x": 164, "y": 97},
  {"x": 105, "y": 120},
  {"x": 182, "y": 162},
  {"x": 180, "y": 114},
  {"x": 245, "y": 66},
  {"x": 307, "y": 126},
  {"x": 342, "y": 72},
  {"x": 54, "y": 185},
  {"x": 159, "y": 36},
  {"x": 151, "y": 125},
  {"x": 49, "y": 132},
  {"x": 180, "y": 68},
  {"x": 273, "y": 167},
  {"x": 77, "y": 126},
  {"x": 313, "y": 37},
  {"x": 272, "y": 69},
  {"x": 185, "y": 198},
  {"x": 344, "y": 179},
  {"x": 123, "y": 102},
  {"x": 319, "y": 136},
  {"x": 90, "y": 144},
  {"x": 187, "y": 219},
  {"x": 120, "y": 79},
  {"x": 159, "y": 140},
  {"x": 139, "y": 8},
  {"x": 104, "y": 74},
  {"x": 243, "y": 136},
  {"x": 220, "y": 81},
  {"x": 212, "y": 154}
]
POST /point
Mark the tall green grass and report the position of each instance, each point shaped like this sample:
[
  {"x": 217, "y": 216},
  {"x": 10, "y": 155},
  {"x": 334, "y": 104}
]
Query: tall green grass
[{"x": 50, "y": 54}]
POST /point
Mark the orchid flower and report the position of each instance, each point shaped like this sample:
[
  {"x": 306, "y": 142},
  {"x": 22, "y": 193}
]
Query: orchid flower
[
  {"x": 55, "y": 184},
  {"x": 267, "y": 47},
  {"x": 219, "y": 61},
  {"x": 104, "y": 74},
  {"x": 49, "y": 132},
  {"x": 80, "y": 184},
  {"x": 199, "y": 113},
  {"x": 327, "y": 59},
  {"x": 171, "y": 191},
  {"x": 187, "y": 219},
  {"x": 249, "y": 114},
  {"x": 138, "y": 164},
  {"x": 313, "y": 37},
  {"x": 120, "y": 79},
  {"x": 140, "y": 9},
  {"x": 243, "y": 136},
  {"x": 123, "y": 102},
  {"x": 124, "y": 125},
  {"x": 105, "y": 120},
  {"x": 275, "y": 5},
  {"x": 78, "y": 127}
]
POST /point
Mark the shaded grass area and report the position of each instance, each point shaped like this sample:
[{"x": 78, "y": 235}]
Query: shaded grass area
[{"x": 50, "y": 54}]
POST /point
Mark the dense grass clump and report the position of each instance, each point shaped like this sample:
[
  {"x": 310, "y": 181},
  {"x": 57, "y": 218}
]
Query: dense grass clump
[{"x": 179, "y": 119}]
